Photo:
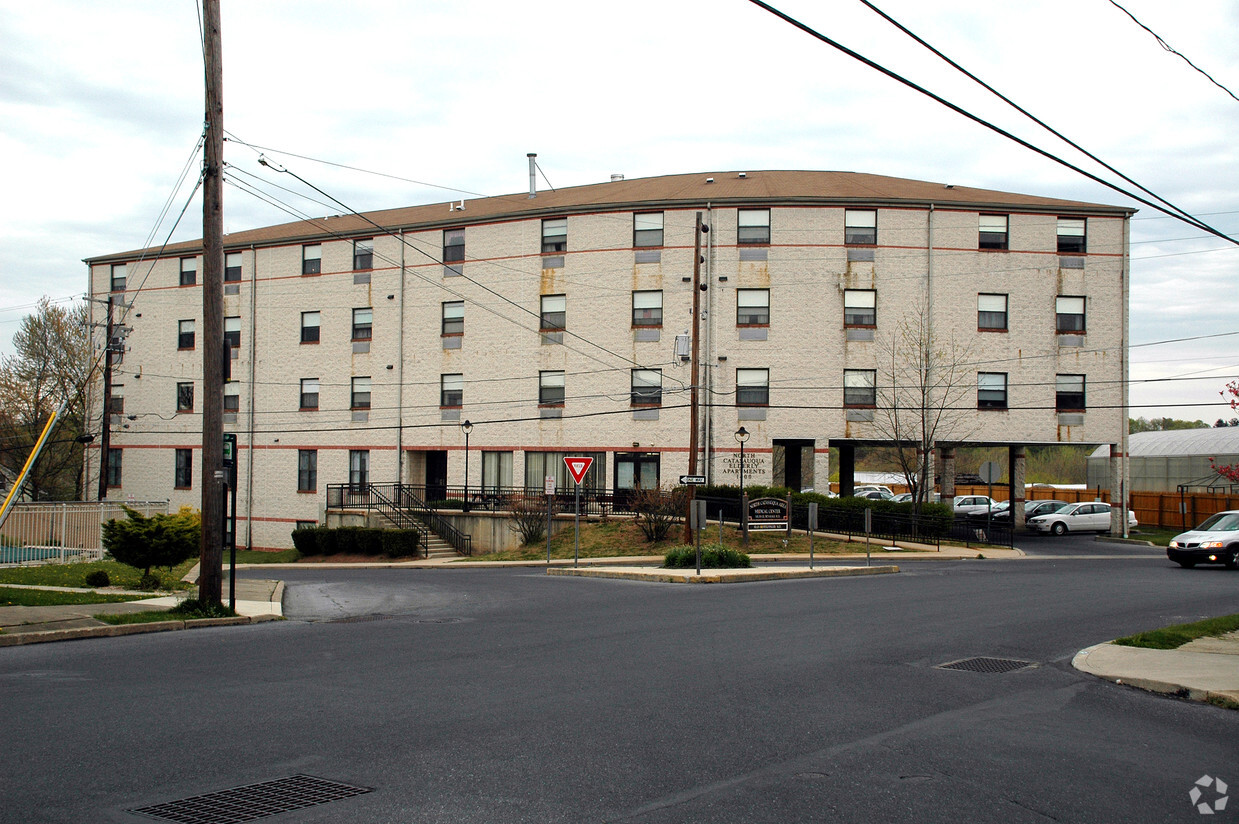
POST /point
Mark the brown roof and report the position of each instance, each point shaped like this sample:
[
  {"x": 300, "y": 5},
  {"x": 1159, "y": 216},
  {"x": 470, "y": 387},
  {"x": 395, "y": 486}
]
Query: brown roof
[{"x": 759, "y": 188}]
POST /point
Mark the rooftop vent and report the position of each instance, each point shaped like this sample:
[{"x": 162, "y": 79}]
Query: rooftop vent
[
  {"x": 709, "y": 180},
  {"x": 616, "y": 178},
  {"x": 743, "y": 175}
]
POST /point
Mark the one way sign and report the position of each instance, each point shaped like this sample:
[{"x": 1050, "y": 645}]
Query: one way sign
[{"x": 577, "y": 467}]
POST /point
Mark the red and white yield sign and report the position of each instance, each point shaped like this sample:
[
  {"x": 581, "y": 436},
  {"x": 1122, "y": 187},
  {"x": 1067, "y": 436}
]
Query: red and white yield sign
[{"x": 577, "y": 467}]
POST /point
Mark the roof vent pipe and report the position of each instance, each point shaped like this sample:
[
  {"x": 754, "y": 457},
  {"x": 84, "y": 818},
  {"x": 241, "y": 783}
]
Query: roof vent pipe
[
  {"x": 616, "y": 178},
  {"x": 533, "y": 171}
]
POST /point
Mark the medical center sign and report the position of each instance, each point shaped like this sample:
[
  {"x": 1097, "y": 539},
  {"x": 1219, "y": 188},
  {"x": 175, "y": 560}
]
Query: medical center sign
[{"x": 767, "y": 513}]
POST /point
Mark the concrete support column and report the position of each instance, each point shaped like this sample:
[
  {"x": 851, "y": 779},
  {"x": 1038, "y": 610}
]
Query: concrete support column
[
  {"x": 1118, "y": 515},
  {"x": 1017, "y": 464},
  {"x": 847, "y": 469},
  {"x": 948, "y": 473}
]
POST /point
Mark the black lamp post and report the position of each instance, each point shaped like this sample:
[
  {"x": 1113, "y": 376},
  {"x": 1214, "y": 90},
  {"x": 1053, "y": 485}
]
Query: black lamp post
[
  {"x": 466, "y": 427},
  {"x": 742, "y": 435}
]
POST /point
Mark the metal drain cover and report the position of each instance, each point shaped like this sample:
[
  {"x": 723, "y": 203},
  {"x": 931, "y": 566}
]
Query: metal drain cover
[
  {"x": 993, "y": 665},
  {"x": 252, "y": 801}
]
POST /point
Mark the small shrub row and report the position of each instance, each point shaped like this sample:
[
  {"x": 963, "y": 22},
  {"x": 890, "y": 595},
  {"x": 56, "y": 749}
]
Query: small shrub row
[
  {"x": 98, "y": 578},
  {"x": 356, "y": 540},
  {"x": 712, "y": 557}
]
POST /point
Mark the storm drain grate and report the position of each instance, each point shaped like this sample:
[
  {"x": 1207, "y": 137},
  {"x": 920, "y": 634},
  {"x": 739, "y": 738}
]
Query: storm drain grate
[
  {"x": 361, "y": 619},
  {"x": 253, "y": 801},
  {"x": 993, "y": 665}
]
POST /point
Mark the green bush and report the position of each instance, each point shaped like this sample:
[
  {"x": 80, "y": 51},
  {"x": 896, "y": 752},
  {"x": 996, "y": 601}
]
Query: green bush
[
  {"x": 306, "y": 540},
  {"x": 400, "y": 543},
  {"x": 712, "y": 557},
  {"x": 193, "y": 608},
  {"x": 160, "y": 540},
  {"x": 149, "y": 580},
  {"x": 98, "y": 578}
]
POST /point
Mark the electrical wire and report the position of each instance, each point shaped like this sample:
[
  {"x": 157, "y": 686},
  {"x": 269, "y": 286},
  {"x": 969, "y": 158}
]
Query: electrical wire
[
  {"x": 979, "y": 120},
  {"x": 1168, "y": 48}
]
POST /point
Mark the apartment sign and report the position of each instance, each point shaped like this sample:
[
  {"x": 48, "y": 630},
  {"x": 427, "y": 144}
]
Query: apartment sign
[{"x": 768, "y": 513}]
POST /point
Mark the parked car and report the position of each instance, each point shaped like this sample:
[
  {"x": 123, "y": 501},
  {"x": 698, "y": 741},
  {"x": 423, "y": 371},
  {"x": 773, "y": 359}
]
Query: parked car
[
  {"x": 1216, "y": 541},
  {"x": 971, "y": 504},
  {"x": 999, "y": 512},
  {"x": 873, "y": 488},
  {"x": 875, "y": 495},
  {"x": 1086, "y": 517},
  {"x": 1034, "y": 508}
]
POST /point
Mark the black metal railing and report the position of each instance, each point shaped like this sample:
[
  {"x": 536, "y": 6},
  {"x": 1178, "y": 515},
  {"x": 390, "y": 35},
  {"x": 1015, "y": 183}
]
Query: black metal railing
[
  {"x": 499, "y": 499},
  {"x": 402, "y": 505}
]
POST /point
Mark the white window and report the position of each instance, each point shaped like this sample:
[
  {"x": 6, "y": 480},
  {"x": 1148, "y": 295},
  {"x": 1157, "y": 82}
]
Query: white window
[
  {"x": 554, "y": 313},
  {"x": 361, "y": 393},
  {"x": 551, "y": 388},
  {"x": 647, "y": 308},
  {"x": 992, "y": 312},
  {"x": 451, "y": 390},
  {"x": 453, "y": 245},
  {"x": 860, "y": 388},
  {"x": 189, "y": 271},
  {"x": 363, "y": 254},
  {"x": 752, "y": 387},
  {"x": 555, "y": 235},
  {"x": 363, "y": 323},
  {"x": 119, "y": 275},
  {"x": 1071, "y": 235},
  {"x": 752, "y": 307},
  {"x": 453, "y": 317},
  {"x": 647, "y": 229},
  {"x": 860, "y": 227},
  {"x": 860, "y": 307},
  {"x": 991, "y": 390},
  {"x": 232, "y": 331},
  {"x": 232, "y": 396},
  {"x": 1069, "y": 314},
  {"x": 309, "y": 326},
  {"x": 647, "y": 387},
  {"x": 753, "y": 226},
  {"x": 993, "y": 234},
  {"x": 309, "y": 393},
  {"x": 232, "y": 267},
  {"x": 312, "y": 259}
]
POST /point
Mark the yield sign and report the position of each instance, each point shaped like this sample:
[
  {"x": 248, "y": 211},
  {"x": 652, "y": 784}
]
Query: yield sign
[{"x": 577, "y": 467}]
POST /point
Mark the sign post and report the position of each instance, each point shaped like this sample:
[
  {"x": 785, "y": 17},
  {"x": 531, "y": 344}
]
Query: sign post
[
  {"x": 812, "y": 529},
  {"x": 577, "y": 467},
  {"x": 868, "y": 529},
  {"x": 230, "y": 483},
  {"x": 550, "y": 500},
  {"x": 990, "y": 471}
]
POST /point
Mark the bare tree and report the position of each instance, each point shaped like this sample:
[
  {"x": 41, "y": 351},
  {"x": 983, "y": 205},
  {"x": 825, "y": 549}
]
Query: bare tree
[
  {"x": 48, "y": 367},
  {"x": 924, "y": 383}
]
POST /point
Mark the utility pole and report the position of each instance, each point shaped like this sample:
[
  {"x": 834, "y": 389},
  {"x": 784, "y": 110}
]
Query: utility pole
[
  {"x": 694, "y": 401},
  {"x": 210, "y": 572},
  {"x": 105, "y": 428}
]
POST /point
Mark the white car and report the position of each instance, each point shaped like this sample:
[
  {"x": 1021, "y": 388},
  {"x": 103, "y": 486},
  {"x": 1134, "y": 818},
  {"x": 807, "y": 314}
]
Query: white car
[
  {"x": 873, "y": 488},
  {"x": 973, "y": 504},
  {"x": 1086, "y": 517},
  {"x": 1216, "y": 541}
]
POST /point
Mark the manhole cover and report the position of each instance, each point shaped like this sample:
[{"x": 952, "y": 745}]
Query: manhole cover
[
  {"x": 995, "y": 665},
  {"x": 253, "y": 801}
]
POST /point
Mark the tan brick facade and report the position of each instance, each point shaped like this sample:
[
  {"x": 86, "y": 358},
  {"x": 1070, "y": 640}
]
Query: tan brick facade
[{"x": 502, "y": 349}]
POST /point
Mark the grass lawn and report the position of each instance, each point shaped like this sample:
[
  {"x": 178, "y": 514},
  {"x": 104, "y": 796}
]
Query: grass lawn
[
  {"x": 621, "y": 537},
  {"x": 10, "y": 597},
  {"x": 74, "y": 575},
  {"x": 1176, "y": 635},
  {"x": 1159, "y": 535},
  {"x": 253, "y": 556}
]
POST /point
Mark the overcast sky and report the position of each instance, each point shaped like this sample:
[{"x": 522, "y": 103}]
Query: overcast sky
[{"x": 101, "y": 107}]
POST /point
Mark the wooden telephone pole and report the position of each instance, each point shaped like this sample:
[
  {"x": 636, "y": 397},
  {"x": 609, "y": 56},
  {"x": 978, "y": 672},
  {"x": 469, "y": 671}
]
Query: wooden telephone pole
[
  {"x": 210, "y": 575},
  {"x": 694, "y": 398}
]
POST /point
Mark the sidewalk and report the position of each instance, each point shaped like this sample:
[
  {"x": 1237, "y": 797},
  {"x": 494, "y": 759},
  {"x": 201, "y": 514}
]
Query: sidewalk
[
  {"x": 257, "y": 601},
  {"x": 1206, "y": 669}
]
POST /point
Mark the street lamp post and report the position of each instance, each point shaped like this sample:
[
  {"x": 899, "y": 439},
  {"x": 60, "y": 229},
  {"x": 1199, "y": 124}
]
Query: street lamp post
[
  {"x": 466, "y": 427},
  {"x": 742, "y": 435}
]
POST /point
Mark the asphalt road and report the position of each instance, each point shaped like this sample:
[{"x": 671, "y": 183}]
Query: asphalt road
[{"x": 510, "y": 696}]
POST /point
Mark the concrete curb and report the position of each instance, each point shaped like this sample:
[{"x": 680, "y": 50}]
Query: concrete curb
[
  {"x": 1100, "y": 661},
  {"x": 715, "y": 576},
  {"x": 113, "y": 631}
]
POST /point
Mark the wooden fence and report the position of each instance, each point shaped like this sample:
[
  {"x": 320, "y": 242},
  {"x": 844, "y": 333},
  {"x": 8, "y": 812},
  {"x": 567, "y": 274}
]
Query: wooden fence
[{"x": 1151, "y": 508}]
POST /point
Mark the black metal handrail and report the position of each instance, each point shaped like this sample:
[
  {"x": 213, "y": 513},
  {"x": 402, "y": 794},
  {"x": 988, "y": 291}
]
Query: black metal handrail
[{"x": 401, "y": 504}]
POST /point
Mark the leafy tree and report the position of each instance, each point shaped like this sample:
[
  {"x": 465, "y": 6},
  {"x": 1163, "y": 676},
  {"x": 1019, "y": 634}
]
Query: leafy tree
[
  {"x": 658, "y": 510},
  {"x": 1231, "y": 394},
  {"x": 160, "y": 540},
  {"x": 1162, "y": 425},
  {"x": 49, "y": 365},
  {"x": 923, "y": 386}
]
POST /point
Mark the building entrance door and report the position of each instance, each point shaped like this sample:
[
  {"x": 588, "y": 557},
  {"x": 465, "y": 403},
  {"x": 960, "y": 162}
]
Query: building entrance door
[{"x": 436, "y": 475}]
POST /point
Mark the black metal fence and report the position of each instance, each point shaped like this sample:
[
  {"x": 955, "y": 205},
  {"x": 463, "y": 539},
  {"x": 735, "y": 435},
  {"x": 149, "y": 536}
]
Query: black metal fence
[{"x": 929, "y": 529}]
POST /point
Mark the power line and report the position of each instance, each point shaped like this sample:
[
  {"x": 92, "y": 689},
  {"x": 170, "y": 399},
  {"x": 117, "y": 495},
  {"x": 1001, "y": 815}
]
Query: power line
[
  {"x": 1168, "y": 48},
  {"x": 979, "y": 120},
  {"x": 1173, "y": 208}
]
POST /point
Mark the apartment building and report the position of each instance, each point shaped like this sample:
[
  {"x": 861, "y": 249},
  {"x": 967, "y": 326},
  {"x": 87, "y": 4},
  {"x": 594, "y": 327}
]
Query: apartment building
[{"x": 561, "y": 323}]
